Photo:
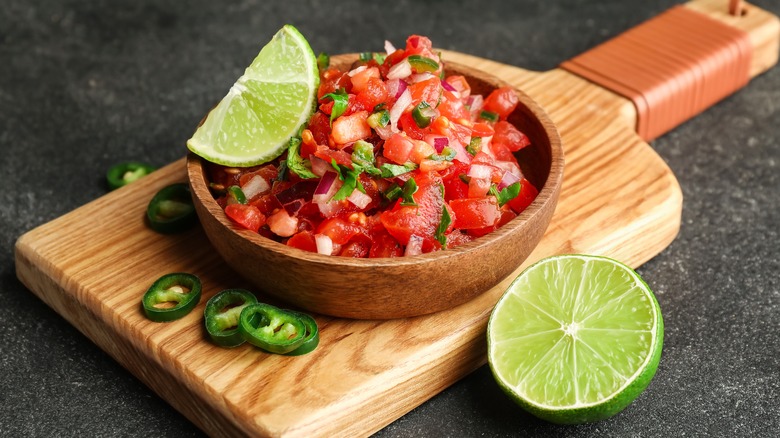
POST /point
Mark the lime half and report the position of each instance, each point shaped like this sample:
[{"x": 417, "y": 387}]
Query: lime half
[
  {"x": 266, "y": 106},
  {"x": 575, "y": 338}
]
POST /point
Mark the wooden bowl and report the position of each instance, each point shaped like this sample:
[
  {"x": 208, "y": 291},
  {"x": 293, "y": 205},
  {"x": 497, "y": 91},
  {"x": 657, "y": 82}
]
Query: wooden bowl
[{"x": 387, "y": 288}]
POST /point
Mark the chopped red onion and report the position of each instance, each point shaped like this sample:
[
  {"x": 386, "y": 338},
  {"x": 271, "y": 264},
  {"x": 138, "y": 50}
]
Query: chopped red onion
[
  {"x": 439, "y": 143},
  {"x": 360, "y": 199},
  {"x": 357, "y": 70},
  {"x": 324, "y": 244},
  {"x": 389, "y": 47},
  {"x": 399, "y": 107},
  {"x": 475, "y": 102},
  {"x": 283, "y": 224},
  {"x": 419, "y": 77},
  {"x": 460, "y": 152},
  {"x": 319, "y": 166},
  {"x": 507, "y": 180},
  {"x": 414, "y": 247},
  {"x": 399, "y": 71},
  {"x": 326, "y": 183},
  {"x": 479, "y": 171},
  {"x": 294, "y": 206},
  {"x": 302, "y": 190},
  {"x": 510, "y": 167},
  {"x": 384, "y": 132},
  {"x": 329, "y": 209},
  {"x": 395, "y": 87},
  {"x": 255, "y": 186},
  {"x": 447, "y": 86}
]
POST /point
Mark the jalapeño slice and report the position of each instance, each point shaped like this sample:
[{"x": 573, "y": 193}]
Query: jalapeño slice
[{"x": 171, "y": 297}]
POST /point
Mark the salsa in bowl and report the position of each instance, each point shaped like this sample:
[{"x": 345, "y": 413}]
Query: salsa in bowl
[{"x": 415, "y": 262}]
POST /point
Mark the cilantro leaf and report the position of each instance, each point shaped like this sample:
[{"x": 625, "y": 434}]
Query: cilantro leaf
[
  {"x": 295, "y": 163},
  {"x": 350, "y": 179},
  {"x": 392, "y": 170},
  {"x": 507, "y": 194},
  {"x": 363, "y": 156},
  {"x": 340, "y": 102},
  {"x": 410, "y": 188},
  {"x": 446, "y": 220}
]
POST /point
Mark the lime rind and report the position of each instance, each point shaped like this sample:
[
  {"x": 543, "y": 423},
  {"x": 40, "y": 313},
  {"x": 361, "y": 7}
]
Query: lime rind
[
  {"x": 265, "y": 107},
  {"x": 583, "y": 377}
]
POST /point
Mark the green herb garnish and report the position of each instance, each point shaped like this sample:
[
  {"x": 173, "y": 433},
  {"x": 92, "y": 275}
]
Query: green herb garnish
[
  {"x": 446, "y": 220},
  {"x": 296, "y": 163},
  {"x": 340, "y": 103}
]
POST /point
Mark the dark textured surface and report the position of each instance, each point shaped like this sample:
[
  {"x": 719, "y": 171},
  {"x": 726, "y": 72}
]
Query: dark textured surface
[{"x": 85, "y": 84}]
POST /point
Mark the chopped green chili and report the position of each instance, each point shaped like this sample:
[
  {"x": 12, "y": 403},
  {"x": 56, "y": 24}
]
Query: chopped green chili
[
  {"x": 123, "y": 174},
  {"x": 171, "y": 297},
  {"x": 222, "y": 314},
  {"x": 171, "y": 210},
  {"x": 272, "y": 329}
]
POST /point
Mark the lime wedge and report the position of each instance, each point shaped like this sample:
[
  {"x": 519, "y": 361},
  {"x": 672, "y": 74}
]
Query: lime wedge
[
  {"x": 575, "y": 338},
  {"x": 266, "y": 106}
]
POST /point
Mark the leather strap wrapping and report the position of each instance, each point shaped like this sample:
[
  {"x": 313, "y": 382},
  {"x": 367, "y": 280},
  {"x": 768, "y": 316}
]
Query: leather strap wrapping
[{"x": 671, "y": 67}]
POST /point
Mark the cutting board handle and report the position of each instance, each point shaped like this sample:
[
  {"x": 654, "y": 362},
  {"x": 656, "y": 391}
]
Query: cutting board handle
[{"x": 683, "y": 61}]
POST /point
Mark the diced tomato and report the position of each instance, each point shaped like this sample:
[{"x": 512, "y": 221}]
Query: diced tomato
[
  {"x": 351, "y": 128},
  {"x": 457, "y": 238},
  {"x": 267, "y": 172},
  {"x": 358, "y": 247},
  {"x": 331, "y": 80},
  {"x": 303, "y": 240},
  {"x": 473, "y": 213},
  {"x": 452, "y": 107},
  {"x": 319, "y": 125},
  {"x": 460, "y": 132},
  {"x": 501, "y": 151},
  {"x": 428, "y": 90},
  {"x": 459, "y": 83},
  {"x": 409, "y": 126},
  {"x": 420, "y": 151},
  {"x": 391, "y": 60},
  {"x": 510, "y": 137},
  {"x": 501, "y": 101},
  {"x": 403, "y": 221},
  {"x": 329, "y": 154},
  {"x": 282, "y": 224},
  {"x": 527, "y": 194},
  {"x": 384, "y": 245},
  {"x": 506, "y": 215},
  {"x": 478, "y": 187},
  {"x": 361, "y": 78},
  {"x": 482, "y": 130},
  {"x": 440, "y": 125},
  {"x": 483, "y": 158},
  {"x": 397, "y": 148},
  {"x": 248, "y": 216},
  {"x": 266, "y": 203},
  {"x": 375, "y": 92},
  {"x": 417, "y": 43},
  {"x": 455, "y": 188},
  {"x": 339, "y": 230}
]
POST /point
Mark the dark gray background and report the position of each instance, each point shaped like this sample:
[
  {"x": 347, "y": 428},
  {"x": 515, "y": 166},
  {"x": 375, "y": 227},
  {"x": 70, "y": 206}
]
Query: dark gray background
[{"x": 86, "y": 84}]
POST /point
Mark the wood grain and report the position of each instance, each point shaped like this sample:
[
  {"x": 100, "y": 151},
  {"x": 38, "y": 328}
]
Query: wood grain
[{"x": 618, "y": 199}]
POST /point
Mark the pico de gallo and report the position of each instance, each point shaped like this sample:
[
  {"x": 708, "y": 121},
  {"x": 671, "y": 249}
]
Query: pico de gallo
[{"x": 399, "y": 159}]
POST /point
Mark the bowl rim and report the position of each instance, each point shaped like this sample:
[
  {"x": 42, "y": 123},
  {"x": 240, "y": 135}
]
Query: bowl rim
[{"x": 196, "y": 174}]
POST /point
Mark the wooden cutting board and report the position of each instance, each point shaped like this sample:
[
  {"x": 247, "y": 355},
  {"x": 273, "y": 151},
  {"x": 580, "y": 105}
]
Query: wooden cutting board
[{"x": 92, "y": 266}]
